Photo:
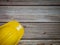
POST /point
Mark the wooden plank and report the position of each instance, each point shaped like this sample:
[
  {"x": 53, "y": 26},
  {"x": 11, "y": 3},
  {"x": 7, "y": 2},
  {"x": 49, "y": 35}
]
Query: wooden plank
[
  {"x": 39, "y": 42},
  {"x": 29, "y": 2},
  {"x": 30, "y": 13},
  {"x": 41, "y": 31}
]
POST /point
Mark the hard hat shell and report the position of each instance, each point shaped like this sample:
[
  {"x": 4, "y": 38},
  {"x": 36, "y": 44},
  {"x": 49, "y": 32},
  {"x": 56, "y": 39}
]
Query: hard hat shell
[{"x": 11, "y": 33}]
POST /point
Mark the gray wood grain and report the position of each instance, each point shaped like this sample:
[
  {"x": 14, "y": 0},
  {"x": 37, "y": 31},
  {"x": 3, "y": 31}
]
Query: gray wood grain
[
  {"x": 29, "y": 2},
  {"x": 30, "y": 13},
  {"x": 39, "y": 42},
  {"x": 41, "y": 30}
]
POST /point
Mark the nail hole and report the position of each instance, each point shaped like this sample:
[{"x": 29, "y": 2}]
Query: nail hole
[
  {"x": 51, "y": 44},
  {"x": 7, "y": 0},
  {"x": 24, "y": 26},
  {"x": 44, "y": 32}
]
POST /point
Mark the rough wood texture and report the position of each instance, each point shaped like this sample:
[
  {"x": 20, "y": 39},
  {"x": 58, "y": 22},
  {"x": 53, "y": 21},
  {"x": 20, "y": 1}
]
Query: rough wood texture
[
  {"x": 40, "y": 42},
  {"x": 30, "y": 13},
  {"x": 41, "y": 22},
  {"x": 29, "y": 2},
  {"x": 41, "y": 31}
]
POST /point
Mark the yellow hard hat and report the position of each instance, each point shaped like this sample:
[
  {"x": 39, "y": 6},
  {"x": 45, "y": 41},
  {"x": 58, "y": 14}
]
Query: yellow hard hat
[{"x": 11, "y": 33}]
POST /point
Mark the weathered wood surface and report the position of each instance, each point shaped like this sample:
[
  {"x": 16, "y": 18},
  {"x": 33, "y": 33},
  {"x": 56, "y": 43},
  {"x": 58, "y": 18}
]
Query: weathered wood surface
[
  {"x": 39, "y": 42},
  {"x": 30, "y": 13},
  {"x": 29, "y": 2},
  {"x": 41, "y": 31}
]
